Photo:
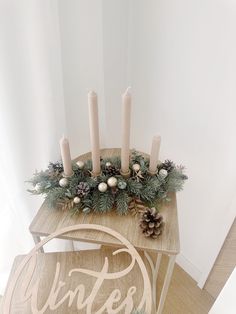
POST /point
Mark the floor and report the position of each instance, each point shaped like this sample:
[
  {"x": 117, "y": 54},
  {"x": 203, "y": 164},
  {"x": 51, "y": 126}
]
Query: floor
[{"x": 184, "y": 296}]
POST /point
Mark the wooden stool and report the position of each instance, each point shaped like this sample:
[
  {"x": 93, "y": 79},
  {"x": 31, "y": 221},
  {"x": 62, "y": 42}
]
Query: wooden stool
[{"x": 47, "y": 221}]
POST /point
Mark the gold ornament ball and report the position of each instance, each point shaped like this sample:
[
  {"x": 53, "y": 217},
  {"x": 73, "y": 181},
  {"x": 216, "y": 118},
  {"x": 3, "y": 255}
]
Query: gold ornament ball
[
  {"x": 112, "y": 182},
  {"x": 63, "y": 182},
  {"x": 108, "y": 164},
  {"x": 136, "y": 167},
  {"x": 163, "y": 173},
  {"x": 80, "y": 164},
  {"x": 77, "y": 200},
  {"x": 102, "y": 187}
]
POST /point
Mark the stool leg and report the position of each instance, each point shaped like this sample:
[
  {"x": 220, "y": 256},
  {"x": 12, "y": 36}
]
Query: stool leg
[
  {"x": 154, "y": 271},
  {"x": 37, "y": 239},
  {"x": 166, "y": 283}
]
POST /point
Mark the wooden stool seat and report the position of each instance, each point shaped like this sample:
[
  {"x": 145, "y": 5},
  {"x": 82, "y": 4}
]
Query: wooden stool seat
[{"x": 60, "y": 277}]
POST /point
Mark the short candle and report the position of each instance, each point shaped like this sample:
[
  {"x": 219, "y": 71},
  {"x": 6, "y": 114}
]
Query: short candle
[
  {"x": 154, "y": 156},
  {"x": 65, "y": 156}
]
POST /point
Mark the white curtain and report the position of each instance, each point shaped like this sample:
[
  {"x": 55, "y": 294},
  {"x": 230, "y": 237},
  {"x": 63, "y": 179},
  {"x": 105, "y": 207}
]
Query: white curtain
[{"x": 32, "y": 115}]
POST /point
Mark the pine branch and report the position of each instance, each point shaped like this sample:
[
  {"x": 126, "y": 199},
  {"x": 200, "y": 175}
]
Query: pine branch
[
  {"x": 122, "y": 199},
  {"x": 66, "y": 204},
  {"x": 175, "y": 180},
  {"x": 54, "y": 196},
  {"x": 134, "y": 187},
  {"x": 103, "y": 202}
]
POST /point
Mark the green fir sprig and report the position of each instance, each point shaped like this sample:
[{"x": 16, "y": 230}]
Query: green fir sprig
[{"x": 151, "y": 190}]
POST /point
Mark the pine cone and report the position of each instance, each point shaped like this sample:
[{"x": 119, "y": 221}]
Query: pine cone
[
  {"x": 151, "y": 223},
  {"x": 136, "y": 206},
  {"x": 111, "y": 171},
  {"x": 168, "y": 165},
  {"x": 82, "y": 189},
  {"x": 55, "y": 167}
]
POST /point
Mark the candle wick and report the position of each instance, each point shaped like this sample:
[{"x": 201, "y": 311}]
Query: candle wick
[
  {"x": 91, "y": 93},
  {"x": 128, "y": 90}
]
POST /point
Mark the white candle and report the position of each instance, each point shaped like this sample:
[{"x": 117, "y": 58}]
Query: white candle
[
  {"x": 156, "y": 142},
  {"x": 65, "y": 156},
  {"x": 94, "y": 131},
  {"x": 126, "y": 113}
]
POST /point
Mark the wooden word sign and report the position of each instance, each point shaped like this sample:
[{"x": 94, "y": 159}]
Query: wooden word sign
[{"x": 91, "y": 282}]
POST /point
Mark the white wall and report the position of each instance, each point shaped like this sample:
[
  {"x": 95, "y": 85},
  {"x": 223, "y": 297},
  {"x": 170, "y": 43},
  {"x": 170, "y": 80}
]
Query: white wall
[
  {"x": 179, "y": 58},
  {"x": 183, "y": 70},
  {"x": 94, "y": 56}
]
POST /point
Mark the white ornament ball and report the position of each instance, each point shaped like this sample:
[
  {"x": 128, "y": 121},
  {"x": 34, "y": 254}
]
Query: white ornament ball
[
  {"x": 112, "y": 182},
  {"x": 163, "y": 173},
  {"x": 80, "y": 164},
  {"x": 102, "y": 187},
  {"x": 77, "y": 200},
  {"x": 63, "y": 182},
  {"x": 37, "y": 187},
  {"x": 108, "y": 164},
  {"x": 136, "y": 167}
]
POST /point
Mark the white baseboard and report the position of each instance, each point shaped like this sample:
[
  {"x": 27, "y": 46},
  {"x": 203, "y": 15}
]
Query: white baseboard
[{"x": 187, "y": 266}]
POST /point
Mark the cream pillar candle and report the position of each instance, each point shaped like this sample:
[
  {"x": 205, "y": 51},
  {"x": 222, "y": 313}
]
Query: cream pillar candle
[
  {"x": 65, "y": 156},
  {"x": 156, "y": 142},
  {"x": 126, "y": 113},
  {"x": 94, "y": 131}
]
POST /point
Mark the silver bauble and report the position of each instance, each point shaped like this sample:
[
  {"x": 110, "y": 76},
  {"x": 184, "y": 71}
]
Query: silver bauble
[
  {"x": 77, "y": 200},
  {"x": 80, "y": 164},
  {"x": 112, "y": 182},
  {"x": 108, "y": 164},
  {"x": 136, "y": 167},
  {"x": 63, "y": 182},
  {"x": 86, "y": 210},
  {"x": 163, "y": 173},
  {"x": 102, "y": 187},
  {"x": 122, "y": 185}
]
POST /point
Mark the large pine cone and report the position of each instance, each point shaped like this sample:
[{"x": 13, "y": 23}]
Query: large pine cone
[{"x": 151, "y": 223}]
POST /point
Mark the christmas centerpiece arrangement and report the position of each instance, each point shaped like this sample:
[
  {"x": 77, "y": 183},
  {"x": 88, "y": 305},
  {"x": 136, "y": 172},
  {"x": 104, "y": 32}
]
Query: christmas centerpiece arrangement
[{"x": 131, "y": 183}]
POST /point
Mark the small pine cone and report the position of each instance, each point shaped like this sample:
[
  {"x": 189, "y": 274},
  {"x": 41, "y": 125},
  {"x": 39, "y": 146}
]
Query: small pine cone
[
  {"x": 168, "y": 165},
  {"x": 55, "y": 167},
  {"x": 111, "y": 171},
  {"x": 82, "y": 189},
  {"x": 151, "y": 222}
]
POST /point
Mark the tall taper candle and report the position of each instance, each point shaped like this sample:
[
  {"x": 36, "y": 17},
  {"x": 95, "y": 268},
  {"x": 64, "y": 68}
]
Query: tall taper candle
[
  {"x": 126, "y": 112},
  {"x": 156, "y": 142},
  {"x": 94, "y": 131},
  {"x": 65, "y": 156}
]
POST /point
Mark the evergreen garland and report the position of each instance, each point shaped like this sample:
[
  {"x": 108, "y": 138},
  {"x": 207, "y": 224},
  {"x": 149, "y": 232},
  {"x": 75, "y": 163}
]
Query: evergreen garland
[{"x": 151, "y": 190}]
